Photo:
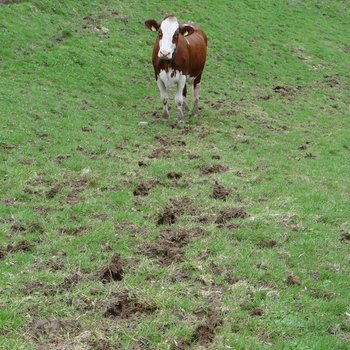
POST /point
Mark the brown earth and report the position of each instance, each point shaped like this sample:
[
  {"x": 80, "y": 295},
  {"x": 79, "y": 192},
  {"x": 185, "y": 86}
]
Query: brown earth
[
  {"x": 267, "y": 244},
  {"x": 20, "y": 246},
  {"x": 174, "y": 176},
  {"x": 53, "y": 191},
  {"x": 292, "y": 280},
  {"x": 172, "y": 211},
  {"x": 159, "y": 153},
  {"x": 144, "y": 187},
  {"x": 48, "y": 327},
  {"x": 212, "y": 169},
  {"x": 205, "y": 333},
  {"x": 220, "y": 192},
  {"x": 114, "y": 271},
  {"x": 233, "y": 213},
  {"x": 125, "y": 306}
]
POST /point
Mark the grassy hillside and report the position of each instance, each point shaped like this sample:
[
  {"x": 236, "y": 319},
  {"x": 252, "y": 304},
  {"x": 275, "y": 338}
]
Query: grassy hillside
[{"x": 231, "y": 232}]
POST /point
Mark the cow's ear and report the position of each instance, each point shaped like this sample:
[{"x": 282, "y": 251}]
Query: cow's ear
[
  {"x": 186, "y": 30},
  {"x": 152, "y": 25}
]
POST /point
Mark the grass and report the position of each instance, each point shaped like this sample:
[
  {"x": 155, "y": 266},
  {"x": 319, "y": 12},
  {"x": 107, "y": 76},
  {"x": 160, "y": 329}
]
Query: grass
[{"x": 275, "y": 113}]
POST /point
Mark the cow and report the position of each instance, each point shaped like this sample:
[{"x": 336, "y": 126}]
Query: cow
[{"x": 179, "y": 55}]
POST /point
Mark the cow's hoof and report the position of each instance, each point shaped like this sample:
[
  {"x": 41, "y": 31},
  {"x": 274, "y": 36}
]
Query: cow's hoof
[{"x": 165, "y": 115}]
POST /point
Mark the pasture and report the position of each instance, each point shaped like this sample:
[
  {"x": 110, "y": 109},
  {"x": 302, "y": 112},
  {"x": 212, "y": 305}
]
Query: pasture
[{"x": 119, "y": 230}]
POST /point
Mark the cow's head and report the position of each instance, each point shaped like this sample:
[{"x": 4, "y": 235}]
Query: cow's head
[{"x": 168, "y": 34}]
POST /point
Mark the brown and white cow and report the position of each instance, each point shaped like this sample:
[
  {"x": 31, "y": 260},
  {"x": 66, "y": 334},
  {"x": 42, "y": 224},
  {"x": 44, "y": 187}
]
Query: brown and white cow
[{"x": 179, "y": 55}]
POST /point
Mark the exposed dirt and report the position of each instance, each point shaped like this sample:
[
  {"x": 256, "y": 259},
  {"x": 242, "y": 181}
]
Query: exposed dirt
[
  {"x": 142, "y": 163},
  {"x": 144, "y": 187},
  {"x": 205, "y": 333},
  {"x": 233, "y": 213},
  {"x": 124, "y": 306},
  {"x": 53, "y": 191},
  {"x": 2, "y": 254},
  {"x": 70, "y": 282},
  {"x": 220, "y": 192},
  {"x": 212, "y": 169},
  {"x": 34, "y": 287},
  {"x": 20, "y": 246},
  {"x": 174, "y": 176},
  {"x": 77, "y": 186},
  {"x": 267, "y": 244},
  {"x": 168, "y": 246},
  {"x": 345, "y": 236},
  {"x": 173, "y": 211},
  {"x": 257, "y": 311},
  {"x": 292, "y": 280},
  {"x": 48, "y": 327},
  {"x": 62, "y": 157},
  {"x": 114, "y": 271},
  {"x": 159, "y": 153}
]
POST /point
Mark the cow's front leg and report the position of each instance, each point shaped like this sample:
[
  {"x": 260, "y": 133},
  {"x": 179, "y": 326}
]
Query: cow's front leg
[
  {"x": 179, "y": 100},
  {"x": 165, "y": 98}
]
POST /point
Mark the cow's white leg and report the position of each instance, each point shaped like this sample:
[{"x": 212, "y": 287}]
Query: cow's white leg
[
  {"x": 179, "y": 97},
  {"x": 185, "y": 107},
  {"x": 196, "y": 91},
  {"x": 164, "y": 96}
]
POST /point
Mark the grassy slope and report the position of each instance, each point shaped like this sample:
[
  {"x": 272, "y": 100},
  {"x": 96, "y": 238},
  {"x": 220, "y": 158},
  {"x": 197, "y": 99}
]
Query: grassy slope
[{"x": 57, "y": 78}]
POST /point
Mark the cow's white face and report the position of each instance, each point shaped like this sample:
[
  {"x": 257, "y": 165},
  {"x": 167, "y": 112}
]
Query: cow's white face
[{"x": 168, "y": 35}]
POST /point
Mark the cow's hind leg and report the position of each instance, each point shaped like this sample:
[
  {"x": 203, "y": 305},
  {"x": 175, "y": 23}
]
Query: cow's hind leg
[
  {"x": 185, "y": 107},
  {"x": 179, "y": 97},
  {"x": 165, "y": 98},
  {"x": 195, "y": 93}
]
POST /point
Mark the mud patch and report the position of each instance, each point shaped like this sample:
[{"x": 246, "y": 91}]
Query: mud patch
[
  {"x": 77, "y": 186},
  {"x": 173, "y": 211},
  {"x": 144, "y": 188},
  {"x": 43, "y": 327},
  {"x": 205, "y": 333},
  {"x": 233, "y": 213},
  {"x": 257, "y": 311},
  {"x": 70, "y": 282},
  {"x": 168, "y": 246},
  {"x": 174, "y": 176},
  {"x": 114, "y": 271},
  {"x": 20, "y": 246},
  {"x": 2, "y": 254},
  {"x": 159, "y": 153},
  {"x": 34, "y": 287},
  {"x": 53, "y": 191},
  {"x": 220, "y": 192},
  {"x": 292, "y": 280},
  {"x": 125, "y": 306},
  {"x": 345, "y": 236},
  {"x": 267, "y": 244},
  {"x": 212, "y": 169}
]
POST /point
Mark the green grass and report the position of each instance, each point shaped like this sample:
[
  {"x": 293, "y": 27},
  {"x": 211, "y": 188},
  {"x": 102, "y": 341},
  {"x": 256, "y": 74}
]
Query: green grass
[{"x": 71, "y": 100}]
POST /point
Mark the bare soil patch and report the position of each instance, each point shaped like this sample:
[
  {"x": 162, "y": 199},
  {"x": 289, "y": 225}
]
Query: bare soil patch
[
  {"x": 53, "y": 191},
  {"x": 212, "y": 169},
  {"x": 144, "y": 188},
  {"x": 114, "y": 271},
  {"x": 205, "y": 333},
  {"x": 2, "y": 254},
  {"x": 232, "y": 213},
  {"x": 174, "y": 176},
  {"x": 48, "y": 327},
  {"x": 220, "y": 192},
  {"x": 267, "y": 244},
  {"x": 20, "y": 246},
  {"x": 124, "y": 306},
  {"x": 345, "y": 236},
  {"x": 293, "y": 280},
  {"x": 173, "y": 210},
  {"x": 257, "y": 311},
  {"x": 159, "y": 153}
]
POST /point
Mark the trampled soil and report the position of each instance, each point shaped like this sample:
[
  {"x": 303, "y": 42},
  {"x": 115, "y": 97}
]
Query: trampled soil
[
  {"x": 22, "y": 245},
  {"x": 212, "y": 169},
  {"x": 220, "y": 192},
  {"x": 205, "y": 333},
  {"x": 232, "y": 213},
  {"x": 114, "y": 271}
]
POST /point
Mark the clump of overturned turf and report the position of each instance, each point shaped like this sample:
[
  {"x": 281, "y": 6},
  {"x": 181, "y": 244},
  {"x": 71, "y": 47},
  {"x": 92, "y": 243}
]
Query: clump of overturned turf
[
  {"x": 220, "y": 192},
  {"x": 20, "y": 246},
  {"x": 114, "y": 271},
  {"x": 172, "y": 211},
  {"x": 211, "y": 169},
  {"x": 48, "y": 327},
  {"x": 233, "y": 213},
  {"x": 144, "y": 187},
  {"x": 292, "y": 280},
  {"x": 205, "y": 333},
  {"x": 125, "y": 306}
]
